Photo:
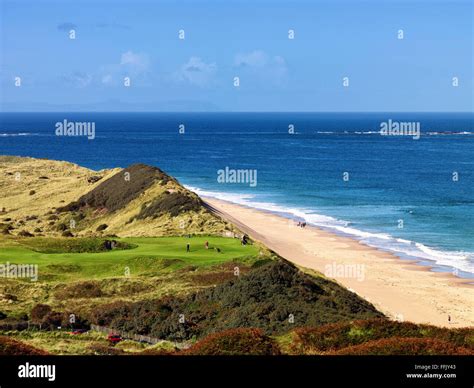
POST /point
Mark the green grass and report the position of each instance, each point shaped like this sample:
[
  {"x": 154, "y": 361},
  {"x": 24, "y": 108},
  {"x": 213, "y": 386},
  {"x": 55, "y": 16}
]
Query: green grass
[
  {"x": 151, "y": 255},
  {"x": 72, "y": 245}
]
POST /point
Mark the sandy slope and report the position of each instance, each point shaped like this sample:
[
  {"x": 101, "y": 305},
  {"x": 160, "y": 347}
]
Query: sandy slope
[
  {"x": 31, "y": 187},
  {"x": 400, "y": 289}
]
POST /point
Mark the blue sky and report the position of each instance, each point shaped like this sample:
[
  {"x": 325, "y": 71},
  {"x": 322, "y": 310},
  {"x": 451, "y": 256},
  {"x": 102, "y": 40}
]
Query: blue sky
[{"x": 245, "y": 39}]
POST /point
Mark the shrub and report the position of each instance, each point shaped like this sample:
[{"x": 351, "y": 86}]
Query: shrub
[
  {"x": 235, "y": 342},
  {"x": 12, "y": 347},
  {"x": 170, "y": 203},
  {"x": 93, "y": 179},
  {"x": 61, "y": 227},
  {"x": 87, "y": 289},
  {"x": 5, "y": 228},
  {"x": 39, "y": 311},
  {"x": 53, "y": 320},
  {"x": 263, "y": 298},
  {"x": 105, "y": 350},
  {"x": 405, "y": 346},
  {"x": 32, "y": 192},
  {"x": 25, "y": 233},
  {"x": 102, "y": 227},
  {"x": 340, "y": 335}
]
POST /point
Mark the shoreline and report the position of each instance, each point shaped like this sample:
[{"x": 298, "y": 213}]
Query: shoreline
[
  {"x": 401, "y": 288},
  {"x": 407, "y": 250}
]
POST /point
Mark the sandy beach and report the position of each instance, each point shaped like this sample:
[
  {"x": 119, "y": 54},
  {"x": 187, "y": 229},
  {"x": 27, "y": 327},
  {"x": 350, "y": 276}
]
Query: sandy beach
[{"x": 401, "y": 289}]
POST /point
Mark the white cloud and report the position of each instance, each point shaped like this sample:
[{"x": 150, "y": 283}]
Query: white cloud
[
  {"x": 256, "y": 58},
  {"x": 262, "y": 66},
  {"x": 77, "y": 79},
  {"x": 197, "y": 72},
  {"x": 107, "y": 79},
  {"x": 138, "y": 62},
  {"x": 135, "y": 65}
]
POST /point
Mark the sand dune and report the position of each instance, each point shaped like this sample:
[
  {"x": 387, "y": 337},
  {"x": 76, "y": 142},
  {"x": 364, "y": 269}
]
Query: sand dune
[{"x": 400, "y": 289}]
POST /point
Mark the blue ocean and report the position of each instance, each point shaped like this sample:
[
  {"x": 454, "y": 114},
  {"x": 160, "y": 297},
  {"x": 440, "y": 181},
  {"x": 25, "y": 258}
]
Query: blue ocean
[{"x": 414, "y": 198}]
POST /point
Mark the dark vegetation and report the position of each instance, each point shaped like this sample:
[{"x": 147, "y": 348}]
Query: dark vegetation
[
  {"x": 39, "y": 311},
  {"x": 117, "y": 192},
  {"x": 341, "y": 335},
  {"x": 77, "y": 245},
  {"x": 220, "y": 274},
  {"x": 87, "y": 289},
  {"x": 12, "y": 347},
  {"x": 25, "y": 233},
  {"x": 406, "y": 346},
  {"x": 5, "y": 228},
  {"x": 172, "y": 203},
  {"x": 262, "y": 299},
  {"x": 235, "y": 342}
]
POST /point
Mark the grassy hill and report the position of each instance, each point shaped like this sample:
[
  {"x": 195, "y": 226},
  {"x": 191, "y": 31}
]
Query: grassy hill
[{"x": 54, "y": 198}]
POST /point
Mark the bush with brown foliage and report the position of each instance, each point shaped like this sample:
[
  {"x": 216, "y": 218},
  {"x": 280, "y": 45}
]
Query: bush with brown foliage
[
  {"x": 25, "y": 233},
  {"x": 53, "y": 320},
  {"x": 87, "y": 289},
  {"x": 340, "y": 335},
  {"x": 39, "y": 311},
  {"x": 5, "y": 228},
  {"x": 106, "y": 350},
  {"x": 12, "y": 347},
  {"x": 405, "y": 347},
  {"x": 235, "y": 342}
]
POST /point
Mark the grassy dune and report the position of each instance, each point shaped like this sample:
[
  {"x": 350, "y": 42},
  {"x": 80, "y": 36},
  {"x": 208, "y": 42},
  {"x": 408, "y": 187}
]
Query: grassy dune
[{"x": 56, "y": 198}]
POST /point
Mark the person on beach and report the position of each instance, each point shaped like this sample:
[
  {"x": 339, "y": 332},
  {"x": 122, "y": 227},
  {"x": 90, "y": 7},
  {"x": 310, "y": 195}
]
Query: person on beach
[{"x": 188, "y": 247}]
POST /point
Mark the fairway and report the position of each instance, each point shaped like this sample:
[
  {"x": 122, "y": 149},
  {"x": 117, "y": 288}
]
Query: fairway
[{"x": 150, "y": 255}]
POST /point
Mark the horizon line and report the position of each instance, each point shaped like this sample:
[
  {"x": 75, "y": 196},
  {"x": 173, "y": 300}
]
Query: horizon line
[{"x": 226, "y": 112}]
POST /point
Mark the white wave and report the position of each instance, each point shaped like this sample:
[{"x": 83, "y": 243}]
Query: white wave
[
  {"x": 447, "y": 133},
  {"x": 15, "y": 134},
  {"x": 22, "y": 134},
  {"x": 429, "y": 133}
]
